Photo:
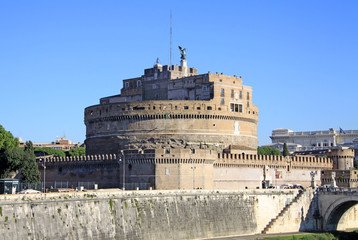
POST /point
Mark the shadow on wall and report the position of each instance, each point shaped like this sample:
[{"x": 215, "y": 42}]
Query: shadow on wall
[{"x": 313, "y": 220}]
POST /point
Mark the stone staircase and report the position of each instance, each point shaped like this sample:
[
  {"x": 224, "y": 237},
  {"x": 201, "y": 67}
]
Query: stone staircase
[{"x": 283, "y": 211}]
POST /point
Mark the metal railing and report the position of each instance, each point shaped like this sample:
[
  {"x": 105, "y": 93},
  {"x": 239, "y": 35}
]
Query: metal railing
[{"x": 337, "y": 189}]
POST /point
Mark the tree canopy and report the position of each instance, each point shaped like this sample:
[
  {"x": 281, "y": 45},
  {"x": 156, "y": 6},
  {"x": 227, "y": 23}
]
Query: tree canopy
[
  {"x": 79, "y": 151},
  {"x": 14, "y": 159},
  {"x": 268, "y": 151},
  {"x": 7, "y": 140},
  {"x": 50, "y": 151}
]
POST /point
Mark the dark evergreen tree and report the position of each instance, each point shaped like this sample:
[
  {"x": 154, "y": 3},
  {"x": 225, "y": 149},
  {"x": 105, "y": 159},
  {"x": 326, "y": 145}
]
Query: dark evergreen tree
[
  {"x": 285, "y": 150},
  {"x": 29, "y": 168}
]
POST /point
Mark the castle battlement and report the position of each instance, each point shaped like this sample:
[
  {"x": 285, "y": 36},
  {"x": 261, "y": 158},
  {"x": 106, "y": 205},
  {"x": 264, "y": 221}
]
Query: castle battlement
[
  {"x": 253, "y": 160},
  {"x": 197, "y": 156}
]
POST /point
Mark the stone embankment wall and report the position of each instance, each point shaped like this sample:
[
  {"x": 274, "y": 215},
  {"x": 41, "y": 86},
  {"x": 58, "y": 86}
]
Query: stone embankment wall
[
  {"x": 299, "y": 216},
  {"x": 139, "y": 214}
]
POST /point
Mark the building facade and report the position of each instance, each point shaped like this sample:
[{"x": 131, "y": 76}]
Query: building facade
[
  {"x": 61, "y": 143},
  {"x": 313, "y": 140},
  {"x": 174, "y": 107}
]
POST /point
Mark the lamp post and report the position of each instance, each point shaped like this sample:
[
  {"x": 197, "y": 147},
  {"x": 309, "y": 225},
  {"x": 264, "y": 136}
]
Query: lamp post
[
  {"x": 43, "y": 163},
  {"x": 123, "y": 160}
]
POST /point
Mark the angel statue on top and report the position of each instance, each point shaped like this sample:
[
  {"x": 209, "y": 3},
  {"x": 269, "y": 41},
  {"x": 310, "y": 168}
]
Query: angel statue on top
[{"x": 182, "y": 52}]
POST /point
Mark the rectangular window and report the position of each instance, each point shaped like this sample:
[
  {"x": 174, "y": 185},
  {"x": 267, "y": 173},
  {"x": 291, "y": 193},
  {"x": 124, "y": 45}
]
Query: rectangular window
[
  {"x": 235, "y": 107},
  {"x": 222, "y": 92},
  {"x": 248, "y": 96},
  {"x": 126, "y": 84},
  {"x": 240, "y": 96},
  {"x": 232, "y": 93},
  {"x": 167, "y": 171},
  {"x": 222, "y": 101},
  {"x": 139, "y": 83}
]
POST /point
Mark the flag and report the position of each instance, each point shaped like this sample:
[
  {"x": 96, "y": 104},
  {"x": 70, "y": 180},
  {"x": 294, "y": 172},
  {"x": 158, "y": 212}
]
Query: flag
[{"x": 341, "y": 131}]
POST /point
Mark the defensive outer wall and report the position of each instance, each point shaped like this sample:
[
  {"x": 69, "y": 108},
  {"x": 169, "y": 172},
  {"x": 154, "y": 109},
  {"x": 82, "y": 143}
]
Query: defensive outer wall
[
  {"x": 184, "y": 169},
  {"x": 142, "y": 214}
]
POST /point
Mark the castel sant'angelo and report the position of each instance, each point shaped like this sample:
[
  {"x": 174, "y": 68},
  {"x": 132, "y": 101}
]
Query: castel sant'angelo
[
  {"x": 175, "y": 107},
  {"x": 173, "y": 128}
]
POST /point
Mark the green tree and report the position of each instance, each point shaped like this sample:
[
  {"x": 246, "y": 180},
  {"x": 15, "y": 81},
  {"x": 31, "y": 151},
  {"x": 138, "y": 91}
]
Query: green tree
[
  {"x": 7, "y": 140},
  {"x": 285, "y": 150},
  {"x": 14, "y": 159},
  {"x": 10, "y": 154},
  {"x": 79, "y": 151},
  {"x": 10, "y": 161},
  {"x": 29, "y": 168},
  {"x": 268, "y": 151},
  {"x": 50, "y": 151}
]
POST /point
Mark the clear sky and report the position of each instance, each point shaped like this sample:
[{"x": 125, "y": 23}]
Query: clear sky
[{"x": 58, "y": 57}]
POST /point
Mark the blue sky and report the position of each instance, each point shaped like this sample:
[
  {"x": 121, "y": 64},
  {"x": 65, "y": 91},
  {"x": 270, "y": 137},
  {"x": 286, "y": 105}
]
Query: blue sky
[{"x": 58, "y": 57}]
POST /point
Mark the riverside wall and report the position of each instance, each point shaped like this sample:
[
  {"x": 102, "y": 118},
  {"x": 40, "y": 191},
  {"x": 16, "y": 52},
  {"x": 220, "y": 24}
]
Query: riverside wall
[{"x": 139, "y": 214}]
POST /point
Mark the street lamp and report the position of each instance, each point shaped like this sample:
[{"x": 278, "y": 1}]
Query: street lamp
[
  {"x": 43, "y": 163},
  {"x": 122, "y": 159}
]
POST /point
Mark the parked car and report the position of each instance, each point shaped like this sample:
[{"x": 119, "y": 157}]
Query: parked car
[
  {"x": 297, "y": 186},
  {"x": 29, "y": 191},
  {"x": 287, "y": 186}
]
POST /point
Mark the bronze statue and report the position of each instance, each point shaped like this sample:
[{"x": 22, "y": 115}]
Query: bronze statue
[{"x": 182, "y": 52}]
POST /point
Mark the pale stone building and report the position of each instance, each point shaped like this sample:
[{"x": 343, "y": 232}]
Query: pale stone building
[{"x": 313, "y": 140}]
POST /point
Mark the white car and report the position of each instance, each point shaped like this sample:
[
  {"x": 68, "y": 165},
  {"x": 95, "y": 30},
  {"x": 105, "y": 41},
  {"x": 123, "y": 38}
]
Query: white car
[{"x": 29, "y": 191}]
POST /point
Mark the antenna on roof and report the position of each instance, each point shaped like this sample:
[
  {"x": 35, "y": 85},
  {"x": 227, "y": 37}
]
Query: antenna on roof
[{"x": 171, "y": 36}]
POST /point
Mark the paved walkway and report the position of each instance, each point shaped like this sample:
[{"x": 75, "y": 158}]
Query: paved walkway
[{"x": 258, "y": 236}]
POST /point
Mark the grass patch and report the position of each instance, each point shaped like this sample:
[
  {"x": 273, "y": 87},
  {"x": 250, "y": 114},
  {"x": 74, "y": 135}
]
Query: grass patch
[{"x": 321, "y": 236}]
